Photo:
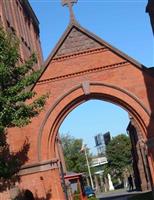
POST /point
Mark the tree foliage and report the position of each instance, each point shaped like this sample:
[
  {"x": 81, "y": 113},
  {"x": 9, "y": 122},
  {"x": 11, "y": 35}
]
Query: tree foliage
[
  {"x": 75, "y": 159},
  {"x": 15, "y": 78},
  {"x": 14, "y": 81},
  {"x": 118, "y": 153}
]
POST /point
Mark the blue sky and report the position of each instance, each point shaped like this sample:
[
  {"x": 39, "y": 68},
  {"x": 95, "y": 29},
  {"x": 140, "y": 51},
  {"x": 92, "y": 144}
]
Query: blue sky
[
  {"x": 93, "y": 117},
  {"x": 122, "y": 23}
]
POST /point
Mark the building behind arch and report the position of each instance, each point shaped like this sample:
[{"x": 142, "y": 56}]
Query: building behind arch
[{"x": 18, "y": 17}]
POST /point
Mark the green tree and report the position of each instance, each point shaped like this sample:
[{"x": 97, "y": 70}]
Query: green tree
[
  {"x": 118, "y": 153},
  {"x": 15, "y": 79},
  {"x": 75, "y": 159}
]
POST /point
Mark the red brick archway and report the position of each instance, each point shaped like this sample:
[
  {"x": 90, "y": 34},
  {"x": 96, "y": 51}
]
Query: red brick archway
[
  {"x": 79, "y": 94},
  {"x": 81, "y": 67}
]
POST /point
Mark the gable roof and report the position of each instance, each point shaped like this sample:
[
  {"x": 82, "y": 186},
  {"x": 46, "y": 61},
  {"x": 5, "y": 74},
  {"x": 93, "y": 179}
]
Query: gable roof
[
  {"x": 97, "y": 40},
  {"x": 75, "y": 42}
]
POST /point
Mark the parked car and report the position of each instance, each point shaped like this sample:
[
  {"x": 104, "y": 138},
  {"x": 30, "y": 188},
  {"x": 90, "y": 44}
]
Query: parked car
[{"x": 89, "y": 192}]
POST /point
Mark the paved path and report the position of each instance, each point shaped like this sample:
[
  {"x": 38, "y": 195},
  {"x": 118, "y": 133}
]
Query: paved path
[
  {"x": 116, "y": 195},
  {"x": 114, "y": 198}
]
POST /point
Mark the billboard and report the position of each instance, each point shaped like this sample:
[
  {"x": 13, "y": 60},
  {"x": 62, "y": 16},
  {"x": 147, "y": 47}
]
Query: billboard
[
  {"x": 107, "y": 138},
  {"x": 99, "y": 140}
]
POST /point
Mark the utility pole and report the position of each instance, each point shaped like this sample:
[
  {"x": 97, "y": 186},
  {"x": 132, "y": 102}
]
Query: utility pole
[{"x": 89, "y": 171}]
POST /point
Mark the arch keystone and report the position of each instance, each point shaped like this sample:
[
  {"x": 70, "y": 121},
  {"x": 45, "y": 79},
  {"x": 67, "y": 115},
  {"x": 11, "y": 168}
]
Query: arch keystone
[{"x": 86, "y": 87}]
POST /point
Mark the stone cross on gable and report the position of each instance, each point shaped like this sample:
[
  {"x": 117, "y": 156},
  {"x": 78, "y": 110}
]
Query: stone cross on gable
[{"x": 70, "y": 3}]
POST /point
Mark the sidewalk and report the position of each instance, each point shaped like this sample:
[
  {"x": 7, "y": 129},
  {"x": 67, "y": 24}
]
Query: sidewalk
[{"x": 116, "y": 195}]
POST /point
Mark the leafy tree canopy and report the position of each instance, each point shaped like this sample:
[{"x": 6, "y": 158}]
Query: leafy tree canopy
[
  {"x": 14, "y": 81},
  {"x": 15, "y": 78},
  {"x": 118, "y": 153},
  {"x": 74, "y": 158}
]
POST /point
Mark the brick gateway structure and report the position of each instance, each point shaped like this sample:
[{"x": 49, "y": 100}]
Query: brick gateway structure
[{"x": 82, "y": 67}]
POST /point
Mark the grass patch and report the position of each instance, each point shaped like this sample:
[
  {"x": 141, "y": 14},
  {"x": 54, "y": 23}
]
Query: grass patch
[{"x": 145, "y": 196}]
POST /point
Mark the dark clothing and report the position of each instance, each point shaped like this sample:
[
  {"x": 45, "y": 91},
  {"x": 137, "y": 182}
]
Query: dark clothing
[{"x": 130, "y": 183}]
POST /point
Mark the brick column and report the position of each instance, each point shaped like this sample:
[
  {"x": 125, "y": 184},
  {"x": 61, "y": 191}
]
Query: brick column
[
  {"x": 139, "y": 153},
  {"x": 141, "y": 168},
  {"x": 43, "y": 180}
]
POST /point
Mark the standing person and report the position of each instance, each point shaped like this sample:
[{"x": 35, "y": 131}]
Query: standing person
[{"x": 130, "y": 183}]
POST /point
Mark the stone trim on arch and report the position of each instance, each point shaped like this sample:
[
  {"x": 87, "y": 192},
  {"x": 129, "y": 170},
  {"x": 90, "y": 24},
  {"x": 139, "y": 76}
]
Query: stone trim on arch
[
  {"x": 86, "y": 87},
  {"x": 47, "y": 116},
  {"x": 90, "y": 94},
  {"x": 126, "y": 92}
]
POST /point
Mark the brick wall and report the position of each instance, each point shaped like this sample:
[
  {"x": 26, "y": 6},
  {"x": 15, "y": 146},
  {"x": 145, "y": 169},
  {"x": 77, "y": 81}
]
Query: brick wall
[{"x": 16, "y": 18}]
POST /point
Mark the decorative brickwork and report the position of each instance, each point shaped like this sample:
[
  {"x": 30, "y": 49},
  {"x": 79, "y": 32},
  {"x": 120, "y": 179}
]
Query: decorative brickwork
[
  {"x": 76, "y": 41},
  {"x": 72, "y": 75},
  {"x": 81, "y": 67}
]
